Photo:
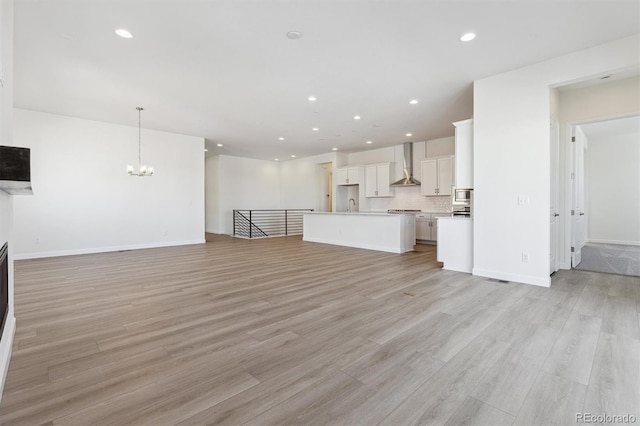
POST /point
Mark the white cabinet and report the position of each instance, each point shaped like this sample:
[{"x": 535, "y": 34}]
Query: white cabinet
[
  {"x": 348, "y": 176},
  {"x": 464, "y": 154},
  {"x": 427, "y": 226},
  {"x": 455, "y": 247},
  {"x": 437, "y": 176},
  {"x": 424, "y": 226},
  {"x": 376, "y": 180}
]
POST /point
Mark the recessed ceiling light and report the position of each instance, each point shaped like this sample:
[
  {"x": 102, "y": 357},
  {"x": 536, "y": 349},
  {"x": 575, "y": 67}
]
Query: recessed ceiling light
[
  {"x": 356, "y": 117},
  {"x": 413, "y": 101},
  {"x": 294, "y": 35},
  {"x": 312, "y": 98},
  {"x": 276, "y": 159},
  {"x": 335, "y": 149},
  {"x": 409, "y": 135},
  {"x": 369, "y": 142},
  {"x": 123, "y": 33},
  {"x": 219, "y": 144},
  {"x": 467, "y": 37},
  {"x": 280, "y": 138},
  {"x": 315, "y": 129},
  {"x": 293, "y": 156},
  {"x": 206, "y": 150}
]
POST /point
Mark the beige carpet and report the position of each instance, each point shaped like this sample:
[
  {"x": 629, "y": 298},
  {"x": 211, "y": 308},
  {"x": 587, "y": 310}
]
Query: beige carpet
[{"x": 611, "y": 259}]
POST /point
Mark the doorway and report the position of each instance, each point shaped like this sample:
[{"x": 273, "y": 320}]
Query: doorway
[
  {"x": 605, "y": 209},
  {"x": 325, "y": 187}
]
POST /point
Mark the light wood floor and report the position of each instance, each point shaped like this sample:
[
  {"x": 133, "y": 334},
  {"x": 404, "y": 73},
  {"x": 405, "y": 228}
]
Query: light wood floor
[{"x": 283, "y": 332}]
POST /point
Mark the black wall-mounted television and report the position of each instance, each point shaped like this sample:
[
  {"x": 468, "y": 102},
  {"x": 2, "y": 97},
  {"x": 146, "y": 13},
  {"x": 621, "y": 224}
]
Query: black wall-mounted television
[{"x": 15, "y": 164}]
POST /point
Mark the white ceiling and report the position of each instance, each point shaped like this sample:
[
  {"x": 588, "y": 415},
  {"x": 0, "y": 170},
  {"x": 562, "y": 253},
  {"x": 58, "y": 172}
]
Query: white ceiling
[
  {"x": 611, "y": 128},
  {"x": 226, "y": 71}
]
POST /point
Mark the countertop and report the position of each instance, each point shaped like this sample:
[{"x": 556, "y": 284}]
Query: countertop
[
  {"x": 377, "y": 213},
  {"x": 456, "y": 218},
  {"x": 361, "y": 213}
]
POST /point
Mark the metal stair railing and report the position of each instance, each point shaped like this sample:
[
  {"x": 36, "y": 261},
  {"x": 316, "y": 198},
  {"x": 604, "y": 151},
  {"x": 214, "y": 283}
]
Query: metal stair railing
[{"x": 268, "y": 223}]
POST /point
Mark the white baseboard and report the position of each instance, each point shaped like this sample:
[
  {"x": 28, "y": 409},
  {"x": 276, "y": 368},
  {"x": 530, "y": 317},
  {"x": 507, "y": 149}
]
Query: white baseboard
[
  {"x": 623, "y": 243},
  {"x": 456, "y": 269},
  {"x": 6, "y": 346},
  {"x": 24, "y": 256},
  {"x": 505, "y": 276}
]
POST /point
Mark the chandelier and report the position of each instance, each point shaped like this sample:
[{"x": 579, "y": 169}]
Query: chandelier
[{"x": 143, "y": 170}]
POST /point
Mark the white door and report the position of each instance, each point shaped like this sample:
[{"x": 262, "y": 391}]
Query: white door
[
  {"x": 445, "y": 175},
  {"x": 370, "y": 181},
  {"x": 578, "y": 146},
  {"x": 324, "y": 179},
  {"x": 422, "y": 229},
  {"x": 553, "y": 206},
  {"x": 429, "y": 175},
  {"x": 342, "y": 177},
  {"x": 382, "y": 180}
]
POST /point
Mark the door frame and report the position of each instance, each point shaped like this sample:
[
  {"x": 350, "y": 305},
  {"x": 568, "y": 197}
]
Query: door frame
[
  {"x": 566, "y": 183},
  {"x": 554, "y": 212},
  {"x": 579, "y": 146}
]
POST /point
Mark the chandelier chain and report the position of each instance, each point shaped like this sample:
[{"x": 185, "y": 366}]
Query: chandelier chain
[{"x": 139, "y": 137}]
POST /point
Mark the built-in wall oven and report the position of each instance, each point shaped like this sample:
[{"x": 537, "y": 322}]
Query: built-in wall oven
[{"x": 461, "y": 211}]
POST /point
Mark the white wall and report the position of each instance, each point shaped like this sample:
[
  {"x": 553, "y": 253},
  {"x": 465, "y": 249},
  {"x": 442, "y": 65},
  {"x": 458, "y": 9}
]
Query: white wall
[
  {"x": 212, "y": 195},
  {"x": 6, "y": 200},
  {"x": 604, "y": 100},
  {"x": 300, "y": 182},
  {"x": 512, "y": 159},
  {"x": 243, "y": 183},
  {"x": 85, "y": 202},
  {"x": 613, "y": 179},
  {"x": 438, "y": 147}
]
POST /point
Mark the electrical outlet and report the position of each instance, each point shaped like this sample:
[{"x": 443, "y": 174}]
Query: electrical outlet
[
  {"x": 523, "y": 200},
  {"x": 525, "y": 257}
]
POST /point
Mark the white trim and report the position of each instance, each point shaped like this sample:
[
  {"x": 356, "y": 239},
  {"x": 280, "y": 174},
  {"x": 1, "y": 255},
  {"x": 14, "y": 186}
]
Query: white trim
[
  {"x": 624, "y": 243},
  {"x": 505, "y": 276},
  {"x": 6, "y": 346},
  {"x": 564, "y": 265},
  {"x": 457, "y": 269},
  {"x": 354, "y": 244},
  {"x": 24, "y": 256}
]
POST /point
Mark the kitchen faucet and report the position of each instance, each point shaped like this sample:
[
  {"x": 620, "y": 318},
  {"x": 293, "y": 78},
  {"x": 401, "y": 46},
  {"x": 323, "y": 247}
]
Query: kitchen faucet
[{"x": 354, "y": 204}]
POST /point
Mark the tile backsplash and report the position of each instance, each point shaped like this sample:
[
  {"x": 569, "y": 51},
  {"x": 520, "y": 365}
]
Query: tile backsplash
[{"x": 409, "y": 198}]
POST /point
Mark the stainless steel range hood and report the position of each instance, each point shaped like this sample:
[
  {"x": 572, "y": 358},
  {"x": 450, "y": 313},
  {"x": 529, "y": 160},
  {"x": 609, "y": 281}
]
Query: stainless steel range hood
[{"x": 408, "y": 179}]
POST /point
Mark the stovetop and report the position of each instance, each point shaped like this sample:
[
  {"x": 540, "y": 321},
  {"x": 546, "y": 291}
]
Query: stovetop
[{"x": 400, "y": 211}]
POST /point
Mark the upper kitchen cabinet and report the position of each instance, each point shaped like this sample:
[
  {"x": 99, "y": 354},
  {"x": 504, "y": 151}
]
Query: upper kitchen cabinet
[
  {"x": 464, "y": 154},
  {"x": 437, "y": 176},
  {"x": 349, "y": 176},
  {"x": 377, "y": 180}
]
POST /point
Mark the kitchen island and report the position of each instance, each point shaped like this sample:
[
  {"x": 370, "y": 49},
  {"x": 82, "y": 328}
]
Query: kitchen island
[{"x": 394, "y": 233}]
